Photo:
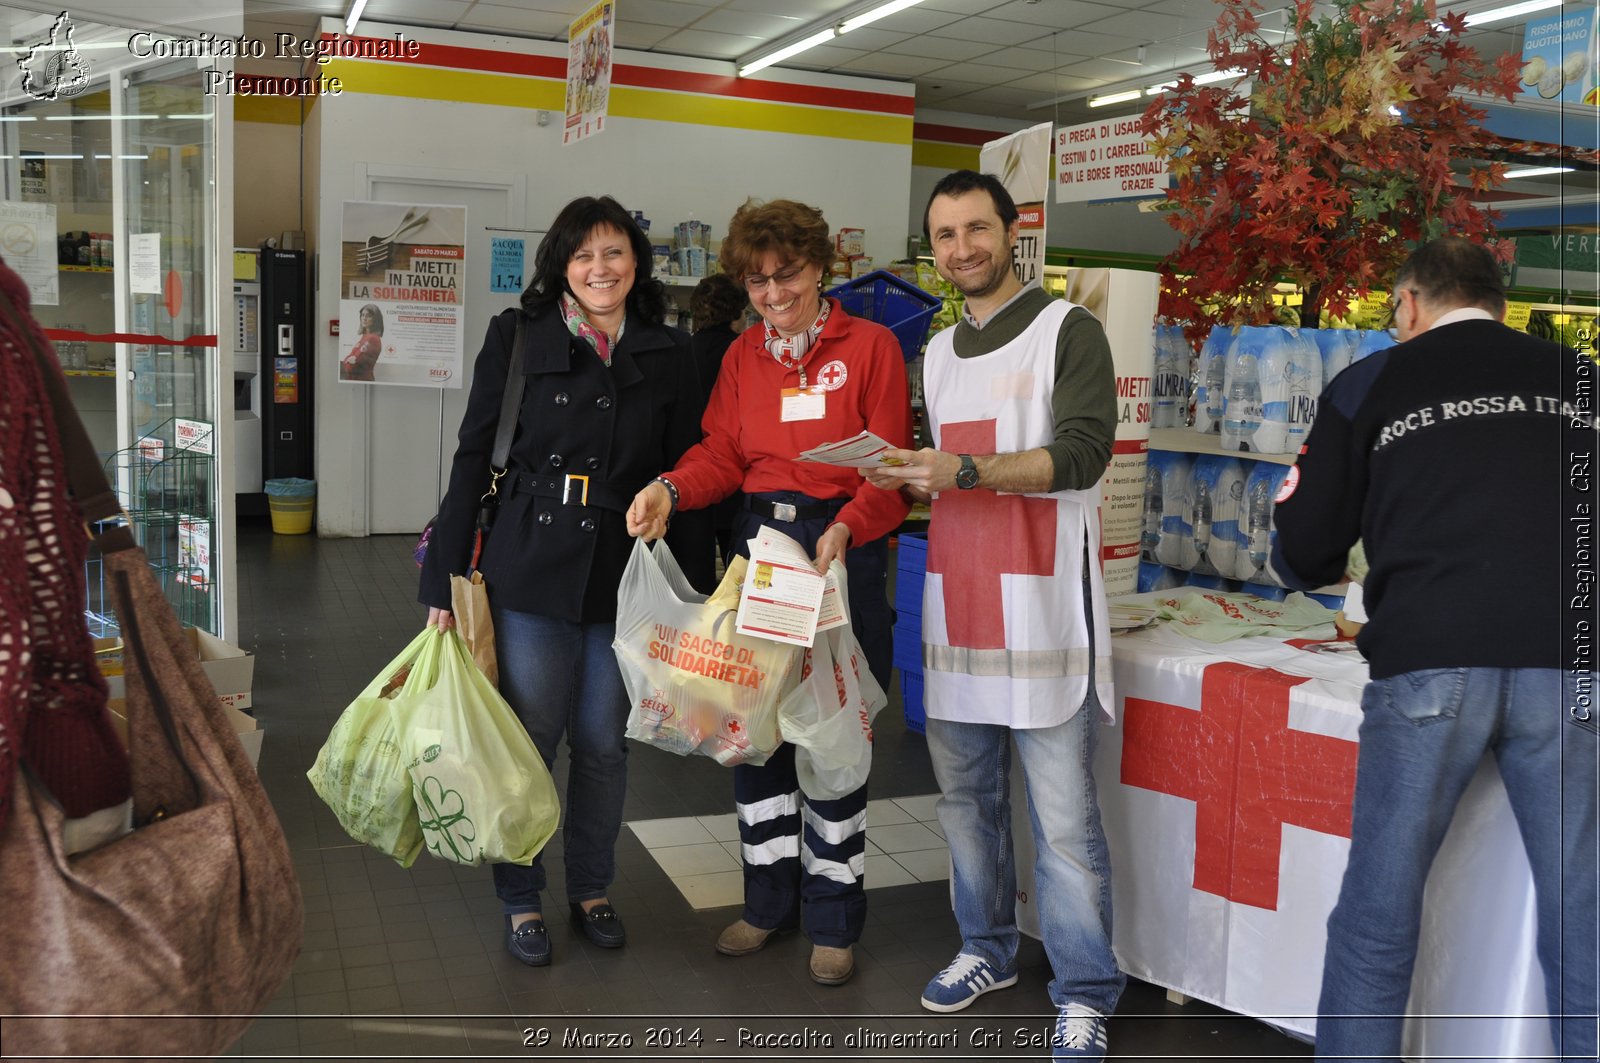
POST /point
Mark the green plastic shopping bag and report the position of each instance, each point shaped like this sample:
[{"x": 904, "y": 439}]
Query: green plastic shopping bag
[
  {"x": 358, "y": 772},
  {"x": 482, "y": 792}
]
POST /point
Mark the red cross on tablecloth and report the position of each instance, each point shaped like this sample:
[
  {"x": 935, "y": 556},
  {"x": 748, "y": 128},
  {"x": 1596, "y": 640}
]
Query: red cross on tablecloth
[
  {"x": 1247, "y": 772},
  {"x": 976, "y": 536}
]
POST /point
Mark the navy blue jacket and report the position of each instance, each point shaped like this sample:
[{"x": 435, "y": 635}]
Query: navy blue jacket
[
  {"x": 619, "y": 426},
  {"x": 1461, "y": 458}
]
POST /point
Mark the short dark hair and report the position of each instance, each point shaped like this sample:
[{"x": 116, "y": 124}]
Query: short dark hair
[
  {"x": 577, "y": 220},
  {"x": 717, "y": 300},
  {"x": 960, "y": 182},
  {"x": 1452, "y": 272}
]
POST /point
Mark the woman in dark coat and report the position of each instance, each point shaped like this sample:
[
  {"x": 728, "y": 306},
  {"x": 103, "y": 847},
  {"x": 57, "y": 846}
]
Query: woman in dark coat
[{"x": 611, "y": 400}]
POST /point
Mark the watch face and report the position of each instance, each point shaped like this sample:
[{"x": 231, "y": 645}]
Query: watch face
[{"x": 967, "y": 475}]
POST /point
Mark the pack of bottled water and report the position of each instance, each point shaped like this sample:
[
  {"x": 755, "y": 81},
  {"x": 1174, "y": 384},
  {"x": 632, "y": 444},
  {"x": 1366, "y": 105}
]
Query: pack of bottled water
[
  {"x": 1338, "y": 347},
  {"x": 1254, "y": 534},
  {"x": 1215, "y": 497},
  {"x": 1168, "y": 534},
  {"x": 1372, "y": 341},
  {"x": 1170, "y": 385},
  {"x": 1273, "y": 376}
]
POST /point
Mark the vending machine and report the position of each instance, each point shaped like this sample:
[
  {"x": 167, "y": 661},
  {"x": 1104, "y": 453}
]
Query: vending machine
[
  {"x": 247, "y": 380},
  {"x": 286, "y": 389}
]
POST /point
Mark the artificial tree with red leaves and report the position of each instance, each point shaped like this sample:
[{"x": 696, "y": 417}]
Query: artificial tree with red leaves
[{"x": 1332, "y": 169}]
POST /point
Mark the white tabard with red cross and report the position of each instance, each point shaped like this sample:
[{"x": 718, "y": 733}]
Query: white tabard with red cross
[{"x": 1004, "y": 633}]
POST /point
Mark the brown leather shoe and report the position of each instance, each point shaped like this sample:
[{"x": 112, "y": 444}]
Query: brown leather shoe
[
  {"x": 741, "y": 939},
  {"x": 831, "y": 966}
]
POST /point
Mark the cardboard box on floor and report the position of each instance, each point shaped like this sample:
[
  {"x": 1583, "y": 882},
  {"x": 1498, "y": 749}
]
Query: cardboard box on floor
[{"x": 230, "y": 669}]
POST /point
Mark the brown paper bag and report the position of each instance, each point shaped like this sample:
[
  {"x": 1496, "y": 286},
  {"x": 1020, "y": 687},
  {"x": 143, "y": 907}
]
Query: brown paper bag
[{"x": 469, "y": 601}]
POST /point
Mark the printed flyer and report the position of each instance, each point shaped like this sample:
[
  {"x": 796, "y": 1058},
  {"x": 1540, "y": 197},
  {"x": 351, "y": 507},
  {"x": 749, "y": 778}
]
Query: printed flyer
[{"x": 401, "y": 303}]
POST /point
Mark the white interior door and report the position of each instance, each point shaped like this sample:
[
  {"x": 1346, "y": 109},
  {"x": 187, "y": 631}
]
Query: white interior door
[{"x": 411, "y": 432}]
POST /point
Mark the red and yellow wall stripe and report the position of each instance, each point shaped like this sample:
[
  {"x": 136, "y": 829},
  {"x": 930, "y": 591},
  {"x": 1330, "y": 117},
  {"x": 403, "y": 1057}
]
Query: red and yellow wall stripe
[{"x": 538, "y": 82}]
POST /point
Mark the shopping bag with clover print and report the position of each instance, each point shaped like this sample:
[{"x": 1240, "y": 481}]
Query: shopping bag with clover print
[
  {"x": 482, "y": 791},
  {"x": 358, "y": 771}
]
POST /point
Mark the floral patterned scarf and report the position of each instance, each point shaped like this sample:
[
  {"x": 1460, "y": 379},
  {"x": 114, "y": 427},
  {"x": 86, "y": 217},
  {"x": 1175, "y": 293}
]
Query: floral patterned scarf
[{"x": 578, "y": 324}]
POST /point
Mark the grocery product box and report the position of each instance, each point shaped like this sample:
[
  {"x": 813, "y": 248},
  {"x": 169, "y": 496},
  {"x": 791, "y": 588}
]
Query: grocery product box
[
  {"x": 692, "y": 261},
  {"x": 851, "y": 241},
  {"x": 244, "y": 725},
  {"x": 230, "y": 669},
  {"x": 860, "y": 266}
]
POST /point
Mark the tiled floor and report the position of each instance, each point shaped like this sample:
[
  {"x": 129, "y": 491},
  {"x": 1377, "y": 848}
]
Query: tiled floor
[
  {"x": 404, "y": 963},
  {"x": 701, "y": 853}
]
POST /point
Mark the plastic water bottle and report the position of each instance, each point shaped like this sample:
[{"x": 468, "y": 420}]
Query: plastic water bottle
[
  {"x": 1291, "y": 380},
  {"x": 1201, "y": 521},
  {"x": 1151, "y": 534},
  {"x": 1171, "y": 377},
  {"x": 1210, "y": 400},
  {"x": 1258, "y": 518},
  {"x": 1242, "y": 410}
]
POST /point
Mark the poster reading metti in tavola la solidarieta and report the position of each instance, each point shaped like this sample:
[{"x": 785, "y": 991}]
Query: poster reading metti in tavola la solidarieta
[{"x": 402, "y": 273}]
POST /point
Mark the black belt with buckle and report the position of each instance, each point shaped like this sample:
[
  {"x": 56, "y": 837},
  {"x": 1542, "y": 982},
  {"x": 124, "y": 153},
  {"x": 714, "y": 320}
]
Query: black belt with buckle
[
  {"x": 789, "y": 512},
  {"x": 577, "y": 490}
]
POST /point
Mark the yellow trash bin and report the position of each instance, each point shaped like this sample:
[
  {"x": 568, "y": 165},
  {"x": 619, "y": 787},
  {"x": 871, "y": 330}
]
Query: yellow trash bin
[{"x": 291, "y": 502}]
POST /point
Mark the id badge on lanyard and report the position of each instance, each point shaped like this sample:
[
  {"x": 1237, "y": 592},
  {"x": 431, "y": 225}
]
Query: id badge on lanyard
[{"x": 804, "y": 404}]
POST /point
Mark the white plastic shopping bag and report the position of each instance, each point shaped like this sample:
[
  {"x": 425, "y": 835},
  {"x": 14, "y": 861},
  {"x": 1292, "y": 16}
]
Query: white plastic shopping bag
[
  {"x": 828, "y": 716},
  {"x": 696, "y": 686}
]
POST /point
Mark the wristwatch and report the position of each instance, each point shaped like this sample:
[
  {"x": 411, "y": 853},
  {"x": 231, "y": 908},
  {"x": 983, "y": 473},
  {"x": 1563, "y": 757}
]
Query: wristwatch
[{"x": 967, "y": 475}]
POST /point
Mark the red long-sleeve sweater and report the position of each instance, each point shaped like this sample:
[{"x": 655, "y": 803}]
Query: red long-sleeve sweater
[{"x": 749, "y": 447}]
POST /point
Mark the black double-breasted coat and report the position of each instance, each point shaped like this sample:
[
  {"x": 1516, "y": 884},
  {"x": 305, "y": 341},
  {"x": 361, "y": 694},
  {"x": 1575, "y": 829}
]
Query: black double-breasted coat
[{"x": 619, "y": 426}]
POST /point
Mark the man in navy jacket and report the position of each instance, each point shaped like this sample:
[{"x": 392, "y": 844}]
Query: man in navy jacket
[{"x": 1461, "y": 458}]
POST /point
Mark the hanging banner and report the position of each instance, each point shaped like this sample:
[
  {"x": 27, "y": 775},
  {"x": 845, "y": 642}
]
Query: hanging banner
[
  {"x": 1022, "y": 162},
  {"x": 402, "y": 271},
  {"x": 1107, "y": 160},
  {"x": 1124, "y": 300},
  {"x": 589, "y": 42},
  {"x": 1559, "y": 55}
]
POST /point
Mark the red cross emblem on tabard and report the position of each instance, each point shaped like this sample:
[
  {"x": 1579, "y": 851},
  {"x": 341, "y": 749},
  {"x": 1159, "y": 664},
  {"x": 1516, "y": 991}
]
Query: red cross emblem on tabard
[
  {"x": 1247, "y": 772},
  {"x": 976, "y": 536}
]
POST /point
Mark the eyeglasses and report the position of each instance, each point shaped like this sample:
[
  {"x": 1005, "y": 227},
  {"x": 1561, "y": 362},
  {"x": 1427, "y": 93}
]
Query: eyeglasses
[
  {"x": 1389, "y": 323},
  {"x": 755, "y": 282}
]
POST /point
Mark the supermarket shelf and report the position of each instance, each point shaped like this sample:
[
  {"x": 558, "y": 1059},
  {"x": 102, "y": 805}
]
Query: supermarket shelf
[
  {"x": 1188, "y": 441},
  {"x": 89, "y": 372},
  {"x": 86, "y": 269},
  {"x": 675, "y": 281}
]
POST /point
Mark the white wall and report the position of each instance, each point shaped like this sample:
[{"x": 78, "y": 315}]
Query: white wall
[{"x": 669, "y": 170}]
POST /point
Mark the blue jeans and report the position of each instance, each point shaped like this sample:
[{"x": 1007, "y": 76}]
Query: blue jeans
[
  {"x": 561, "y": 677},
  {"x": 1422, "y": 736},
  {"x": 972, "y": 763}
]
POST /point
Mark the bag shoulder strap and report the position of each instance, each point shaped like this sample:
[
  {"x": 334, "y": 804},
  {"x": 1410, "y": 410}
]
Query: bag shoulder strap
[{"x": 511, "y": 398}]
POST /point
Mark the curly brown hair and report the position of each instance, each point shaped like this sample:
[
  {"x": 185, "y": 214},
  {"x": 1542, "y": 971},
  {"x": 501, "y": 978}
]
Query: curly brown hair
[
  {"x": 795, "y": 231},
  {"x": 717, "y": 300}
]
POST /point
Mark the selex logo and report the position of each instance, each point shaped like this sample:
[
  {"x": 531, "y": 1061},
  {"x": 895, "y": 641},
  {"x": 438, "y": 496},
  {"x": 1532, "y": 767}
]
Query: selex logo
[{"x": 54, "y": 68}]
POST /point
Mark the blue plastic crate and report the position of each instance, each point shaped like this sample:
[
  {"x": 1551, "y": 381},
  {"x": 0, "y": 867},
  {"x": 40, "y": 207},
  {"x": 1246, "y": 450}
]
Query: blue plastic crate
[
  {"x": 911, "y": 701},
  {"x": 908, "y": 643},
  {"x": 904, "y": 309}
]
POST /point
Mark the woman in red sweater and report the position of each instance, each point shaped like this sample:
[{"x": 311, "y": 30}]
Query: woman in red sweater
[{"x": 808, "y": 374}]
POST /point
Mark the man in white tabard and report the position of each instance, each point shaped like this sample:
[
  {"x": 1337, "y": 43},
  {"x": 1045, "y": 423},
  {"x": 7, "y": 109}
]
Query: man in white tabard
[{"x": 1020, "y": 402}]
